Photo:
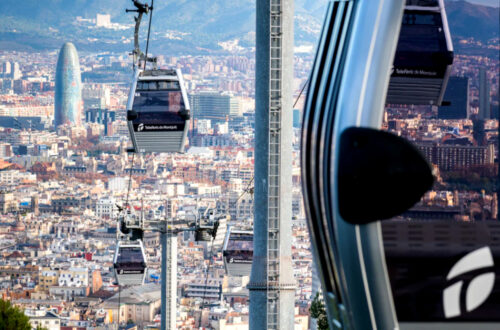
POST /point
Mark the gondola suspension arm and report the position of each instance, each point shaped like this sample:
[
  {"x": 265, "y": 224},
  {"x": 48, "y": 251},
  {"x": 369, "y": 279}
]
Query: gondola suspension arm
[{"x": 141, "y": 9}]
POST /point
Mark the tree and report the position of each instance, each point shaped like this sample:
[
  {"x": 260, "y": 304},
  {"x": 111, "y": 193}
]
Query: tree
[
  {"x": 318, "y": 312},
  {"x": 12, "y": 318}
]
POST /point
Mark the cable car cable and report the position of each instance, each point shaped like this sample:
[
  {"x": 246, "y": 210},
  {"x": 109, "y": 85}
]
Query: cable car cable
[
  {"x": 300, "y": 94},
  {"x": 248, "y": 189},
  {"x": 149, "y": 31},
  {"x": 129, "y": 181}
]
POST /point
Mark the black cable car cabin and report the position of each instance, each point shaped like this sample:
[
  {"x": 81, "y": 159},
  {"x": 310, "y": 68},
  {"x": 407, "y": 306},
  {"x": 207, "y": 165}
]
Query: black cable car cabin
[
  {"x": 424, "y": 55},
  {"x": 158, "y": 111},
  {"x": 130, "y": 263},
  {"x": 238, "y": 252}
]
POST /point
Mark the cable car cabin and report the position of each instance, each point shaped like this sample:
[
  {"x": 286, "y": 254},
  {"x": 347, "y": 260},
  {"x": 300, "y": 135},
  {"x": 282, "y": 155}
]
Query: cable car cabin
[
  {"x": 158, "y": 111},
  {"x": 206, "y": 232},
  {"x": 130, "y": 263},
  {"x": 238, "y": 252},
  {"x": 206, "y": 229},
  {"x": 424, "y": 55}
]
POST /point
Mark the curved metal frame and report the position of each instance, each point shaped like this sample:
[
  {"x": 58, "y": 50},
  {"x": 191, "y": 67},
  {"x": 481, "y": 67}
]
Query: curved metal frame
[
  {"x": 348, "y": 88},
  {"x": 368, "y": 64}
]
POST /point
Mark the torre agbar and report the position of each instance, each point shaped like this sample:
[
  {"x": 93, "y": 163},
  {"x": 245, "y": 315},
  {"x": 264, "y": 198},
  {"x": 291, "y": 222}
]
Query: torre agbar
[{"x": 68, "y": 98}]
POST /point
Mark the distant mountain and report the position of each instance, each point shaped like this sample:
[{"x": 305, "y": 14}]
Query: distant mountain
[
  {"x": 184, "y": 15},
  {"x": 489, "y": 3},
  {"x": 469, "y": 20},
  {"x": 60, "y": 11},
  {"x": 202, "y": 24}
]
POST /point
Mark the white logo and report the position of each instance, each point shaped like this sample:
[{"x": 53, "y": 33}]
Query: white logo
[
  {"x": 140, "y": 128},
  {"x": 479, "y": 288}
]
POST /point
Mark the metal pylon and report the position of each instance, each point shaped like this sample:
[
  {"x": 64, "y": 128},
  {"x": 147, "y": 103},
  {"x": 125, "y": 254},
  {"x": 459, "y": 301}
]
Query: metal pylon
[{"x": 274, "y": 170}]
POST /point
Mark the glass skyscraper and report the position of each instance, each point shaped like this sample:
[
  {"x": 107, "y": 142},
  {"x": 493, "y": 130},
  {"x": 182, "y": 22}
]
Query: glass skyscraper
[
  {"x": 68, "y": 97},
  {"x": 215, "y": 106}
]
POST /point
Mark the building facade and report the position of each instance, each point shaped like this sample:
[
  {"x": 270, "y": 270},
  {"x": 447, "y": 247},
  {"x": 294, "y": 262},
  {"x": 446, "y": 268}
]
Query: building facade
[
  {"x": 449, "y": 157},
  {"x": 214, "y": 106}
]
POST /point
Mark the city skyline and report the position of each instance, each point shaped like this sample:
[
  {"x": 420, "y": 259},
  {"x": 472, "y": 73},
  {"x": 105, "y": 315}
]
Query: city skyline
[{"x": 65, "y": 173}]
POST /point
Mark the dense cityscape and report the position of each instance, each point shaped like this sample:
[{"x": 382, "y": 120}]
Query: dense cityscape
[{"x": 63, "y": 182}]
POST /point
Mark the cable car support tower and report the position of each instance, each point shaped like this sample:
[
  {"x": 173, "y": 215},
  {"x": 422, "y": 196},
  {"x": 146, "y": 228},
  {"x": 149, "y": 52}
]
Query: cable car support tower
[{"x": 271, "y": 284}]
